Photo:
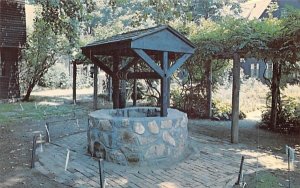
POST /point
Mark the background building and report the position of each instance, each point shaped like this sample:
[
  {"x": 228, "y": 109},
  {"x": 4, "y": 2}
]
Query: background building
[{"x": 12, "y": 38}]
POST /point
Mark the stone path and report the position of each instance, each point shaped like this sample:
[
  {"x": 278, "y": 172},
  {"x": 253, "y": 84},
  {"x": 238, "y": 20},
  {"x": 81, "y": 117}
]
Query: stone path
[{"x": 212, "y": 163}]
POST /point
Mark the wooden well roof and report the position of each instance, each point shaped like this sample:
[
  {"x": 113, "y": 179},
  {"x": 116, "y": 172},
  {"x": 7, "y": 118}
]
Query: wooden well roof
[{"x": 159, "y": 38}]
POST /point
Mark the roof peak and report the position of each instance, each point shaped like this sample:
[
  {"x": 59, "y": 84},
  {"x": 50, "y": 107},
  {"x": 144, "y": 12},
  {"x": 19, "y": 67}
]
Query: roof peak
[{"x": 139, "y": 33}]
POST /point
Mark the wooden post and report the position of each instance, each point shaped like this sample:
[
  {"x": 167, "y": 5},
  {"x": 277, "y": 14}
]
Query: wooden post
[
  {"x": 134, "y": 89},
  {"x": 235, "y": 98},
  {"x": 33, "y": 151},
  {"x": 74, "y": 81},
  {"x": 275, "y": 94},
  {"x": 164, "y": 86},
  {"x": 116, "y": 82},
  {"x": 95, "y": 87},
  {"x": 122, "y": 98},
  {"x": 209, "y": 87},
  {"x": 109, "y": 89},
  {"x": 101, "y": 173}
]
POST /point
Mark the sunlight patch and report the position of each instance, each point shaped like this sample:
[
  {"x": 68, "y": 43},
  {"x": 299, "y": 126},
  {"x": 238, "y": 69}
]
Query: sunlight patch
[
  {"x": 168, "y": 185},
  {"x": 49, "y": 103}
]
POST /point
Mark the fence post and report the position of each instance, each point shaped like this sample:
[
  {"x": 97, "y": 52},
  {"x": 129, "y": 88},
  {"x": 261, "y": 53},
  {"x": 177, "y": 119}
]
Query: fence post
[
  {"x": 101, "y": 173},
  {"x": 33, "y": 150}
]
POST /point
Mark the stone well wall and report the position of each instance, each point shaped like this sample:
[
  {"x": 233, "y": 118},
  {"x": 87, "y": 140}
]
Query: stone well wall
[{"x": 137, "y": 136}]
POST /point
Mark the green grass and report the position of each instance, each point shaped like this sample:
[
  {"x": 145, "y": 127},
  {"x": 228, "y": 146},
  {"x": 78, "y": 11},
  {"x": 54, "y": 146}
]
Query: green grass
[
  {"x": 37, "y": 109},
  {"x": 267, "y": 180}
]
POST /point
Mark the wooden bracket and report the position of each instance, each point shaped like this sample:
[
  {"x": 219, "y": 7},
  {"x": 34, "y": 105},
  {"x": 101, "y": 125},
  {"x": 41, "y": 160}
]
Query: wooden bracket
[
  {"x": 178, "y": 63},
  {"x": 149, "y": 61}
]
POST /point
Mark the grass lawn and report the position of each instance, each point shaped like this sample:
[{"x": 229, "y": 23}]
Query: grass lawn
[{"x": 38, "y": 108}]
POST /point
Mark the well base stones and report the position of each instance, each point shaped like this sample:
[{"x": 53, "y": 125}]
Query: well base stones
[{"x": 137, "y": 136}]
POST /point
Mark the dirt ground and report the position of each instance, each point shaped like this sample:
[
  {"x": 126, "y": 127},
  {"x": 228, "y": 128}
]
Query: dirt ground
[{"x": 16, "y": 143}]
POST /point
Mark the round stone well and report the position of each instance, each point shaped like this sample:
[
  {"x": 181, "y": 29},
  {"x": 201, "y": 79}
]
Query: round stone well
[{"x": 137, "y": 135}]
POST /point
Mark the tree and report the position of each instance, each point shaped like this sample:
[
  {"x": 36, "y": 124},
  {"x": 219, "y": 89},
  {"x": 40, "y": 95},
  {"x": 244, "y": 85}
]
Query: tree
[
  {"x": 56, "y": 31},
  {"x": 42, "y": 51}
]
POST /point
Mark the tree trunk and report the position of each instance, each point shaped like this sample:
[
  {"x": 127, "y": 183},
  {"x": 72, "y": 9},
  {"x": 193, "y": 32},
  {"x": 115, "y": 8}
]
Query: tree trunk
[
  {"x": 28, "y": 92},
  {"x": 235, "y": 99},
  {"x": 275, "y": 93}
]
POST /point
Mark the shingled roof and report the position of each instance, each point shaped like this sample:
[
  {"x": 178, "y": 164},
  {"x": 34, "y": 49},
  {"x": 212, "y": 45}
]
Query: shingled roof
[
  {"x": 159, "y": 38},
  {"x": 133, "y": 35}
]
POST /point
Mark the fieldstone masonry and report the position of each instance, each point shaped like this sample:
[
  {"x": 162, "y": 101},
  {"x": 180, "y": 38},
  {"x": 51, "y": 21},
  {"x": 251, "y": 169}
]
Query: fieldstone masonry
[{"x": 137, "y": 136}]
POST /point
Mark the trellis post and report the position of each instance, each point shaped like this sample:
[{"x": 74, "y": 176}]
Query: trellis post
[
  {"x": 235, "y": 98},
  {"x": 209, "y": 87},
  {"x": 74, "y": 81},
  {"x": 95, "y": 87}
]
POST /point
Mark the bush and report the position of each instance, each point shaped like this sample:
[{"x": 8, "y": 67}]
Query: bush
[
  {"x": 190, "y": 101},
  {"x": 222, "y": 111},
  {"x": 56, "y": 77},
  {"x": 288, "y": 118}
]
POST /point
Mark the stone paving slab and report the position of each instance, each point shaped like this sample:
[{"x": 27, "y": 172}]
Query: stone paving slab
[{"x": 212, "y": 163}]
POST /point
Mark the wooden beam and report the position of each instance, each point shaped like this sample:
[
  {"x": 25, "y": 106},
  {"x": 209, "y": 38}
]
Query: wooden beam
[
  {"x": 109, "y": 88},
  {"x": 116, "y": 82},
  {"x": 97, "y": 62},
  {"x": 102, "y": 66},
  {"x": 122, "y": 98},
  {"x": 134, "y": 93},
  {"x": 134, "y": 98},
  {"x": 74, "y": 81},
  {"x": 178, "y": 63},
  {"x": 142, "y": 75},
  {"x": 149, "y": 61},
  {"x": 235, "y": 98},
  {"x": 164, "y": 86},
  {"x": 95, "y": 87}
]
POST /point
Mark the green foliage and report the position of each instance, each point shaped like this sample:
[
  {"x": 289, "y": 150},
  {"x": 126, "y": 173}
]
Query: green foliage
[
  {"x": 189, "y": 100},
  {"x": 65, "y": 17},
  {"x": 42, "y": 50},
  {"x": 288, "y": 117},
  {"x": 216, "y": 32},
  {"x": 56, "y": 77},
  {"x": 222, "y": 111}
]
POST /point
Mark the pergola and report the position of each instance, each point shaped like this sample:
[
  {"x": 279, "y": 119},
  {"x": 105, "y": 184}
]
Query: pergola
[{"x": 161, "y": 48}]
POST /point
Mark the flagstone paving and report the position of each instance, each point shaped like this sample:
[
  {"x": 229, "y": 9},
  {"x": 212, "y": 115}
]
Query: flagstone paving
[{"x": 210, "y": 163}]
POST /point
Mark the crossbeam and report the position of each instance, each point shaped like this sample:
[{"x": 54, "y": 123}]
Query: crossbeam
[
  {"x": 149, "y": 61},
  {"x": 178, "y": 63},
  {"x": 102, "y": 66},
  {"x": 142, "y": 75}
]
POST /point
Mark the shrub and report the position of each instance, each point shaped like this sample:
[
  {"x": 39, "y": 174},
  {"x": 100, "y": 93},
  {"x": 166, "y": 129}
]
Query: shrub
[
  {"x": 288, "y": 117},
  {"x": 252, "y": 94},
  {"x": 222, "y": 111},
  {"x": 56, "y": 77}
]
